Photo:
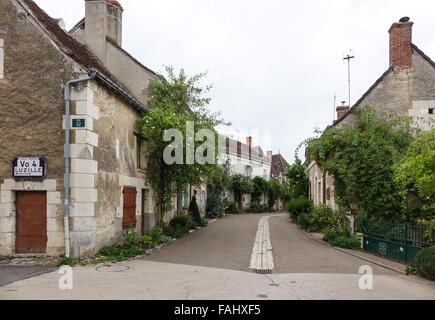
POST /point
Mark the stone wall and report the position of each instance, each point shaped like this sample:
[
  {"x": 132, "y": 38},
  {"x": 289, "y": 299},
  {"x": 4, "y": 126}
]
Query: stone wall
[{"x": 31, "y": 109}]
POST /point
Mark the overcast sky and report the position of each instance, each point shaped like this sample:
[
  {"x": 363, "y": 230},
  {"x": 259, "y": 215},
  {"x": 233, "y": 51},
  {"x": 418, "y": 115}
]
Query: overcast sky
[{"x": 275, "y": 65}]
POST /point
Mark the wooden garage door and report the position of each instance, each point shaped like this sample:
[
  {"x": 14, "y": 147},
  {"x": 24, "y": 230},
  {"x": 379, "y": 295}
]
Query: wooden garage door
[
  {"x": 129, "y": 216},
  {"x": 31, "y": 224}
]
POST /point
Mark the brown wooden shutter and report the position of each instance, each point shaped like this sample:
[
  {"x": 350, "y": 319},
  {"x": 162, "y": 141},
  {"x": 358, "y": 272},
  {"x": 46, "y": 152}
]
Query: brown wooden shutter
[{"x": 129, "y": 214}]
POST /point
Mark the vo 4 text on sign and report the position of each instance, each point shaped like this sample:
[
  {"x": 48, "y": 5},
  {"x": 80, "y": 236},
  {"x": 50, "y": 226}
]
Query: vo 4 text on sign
[
  {"x": 78, "y": 123},
  {"x": 34, "y": 167}
]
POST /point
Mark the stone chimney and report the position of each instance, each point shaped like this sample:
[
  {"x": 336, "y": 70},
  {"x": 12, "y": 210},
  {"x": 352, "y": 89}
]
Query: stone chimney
[
  {"x": 270, "y": 155},
  {"x": 400, "y": 40},
  {"x": 103, "y": 18},
  {"x": 249, "y": 141}
]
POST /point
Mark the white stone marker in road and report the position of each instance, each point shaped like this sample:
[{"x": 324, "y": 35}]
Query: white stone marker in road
[{"x": 262, "y": 256}]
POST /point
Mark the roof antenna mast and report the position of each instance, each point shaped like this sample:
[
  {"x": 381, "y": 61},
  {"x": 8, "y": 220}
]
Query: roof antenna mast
[{"x": 348, "y": 57}]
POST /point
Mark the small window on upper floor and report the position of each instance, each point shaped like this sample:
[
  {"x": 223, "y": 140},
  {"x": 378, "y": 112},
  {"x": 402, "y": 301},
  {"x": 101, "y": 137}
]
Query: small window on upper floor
[
  {"x": 431, "y": 110},
  {"x": 1, "y": 59},
  {"x": 141, "y": 160}
]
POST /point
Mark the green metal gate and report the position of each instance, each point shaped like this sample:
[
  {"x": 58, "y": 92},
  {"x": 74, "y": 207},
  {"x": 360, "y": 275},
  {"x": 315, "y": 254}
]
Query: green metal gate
[{"x": 398, "y": 241}]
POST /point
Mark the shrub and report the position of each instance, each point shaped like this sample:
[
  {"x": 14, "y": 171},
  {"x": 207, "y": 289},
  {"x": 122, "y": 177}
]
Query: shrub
[
  {"x": 166, "y": 239},
  {"x": 256, "y": 208},
  {"x": 180, "y": 226},
  {"x": 194, "y": 210},
  {"x": 232, "y": 208},
  {"x": 203, "y": 223},
  {"x": 303, "y": 220},
  {"x": 184, "y": 221},
  {"x": 215, "y": 206},
  {"x": 297, "y": 206},
  {"x": 132, "y": 239},
  {"x": 324, "y": 217},
  {"x": 425, "y": 262},
  {"x": 156, "y": 235},
  {"x": 347, "y": 242},
  {"x": 330, "y": 235},
  {"x": 67, "y": 262},
  {"x": 120, "y": 253}
]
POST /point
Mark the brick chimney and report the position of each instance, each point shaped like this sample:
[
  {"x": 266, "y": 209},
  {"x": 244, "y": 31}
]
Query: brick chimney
[
  {"x": 249, "y": 141},
  {"x": 341, "y": 111},
  {"x": 103, "y": 18},
  {"x": 270, "y": 155},
  {"x": 400, "y": 40}
]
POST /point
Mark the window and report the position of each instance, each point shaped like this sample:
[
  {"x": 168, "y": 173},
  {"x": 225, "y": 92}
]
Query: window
[
  {"x": 1, "y": 59},
  {"x": 431, "y": 110},
  {"x": 265, "y": 174},
  {"x": 140, "y": 149},
  {"x": 248, "y": 171}
]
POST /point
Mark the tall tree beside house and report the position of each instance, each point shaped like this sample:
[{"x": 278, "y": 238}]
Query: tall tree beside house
[
  {"x": 416, "y": 172},
  {"x": 259, "y": 186},
  {"x": 174, "y": 101},
  {"x": 240, "y": 185},
  {"x": 275, "y": 191},
  {"x": 298, "y": 181},
  {"x": 361, "y": 158}
]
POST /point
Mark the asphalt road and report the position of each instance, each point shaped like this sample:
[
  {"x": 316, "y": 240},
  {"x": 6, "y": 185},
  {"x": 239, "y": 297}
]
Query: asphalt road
[
  {"x": 224, "y": 244},
  {"x": 228, "y": 243},
  {"x": 213, "y": 263},
  {"x": 12, "y": 273}
]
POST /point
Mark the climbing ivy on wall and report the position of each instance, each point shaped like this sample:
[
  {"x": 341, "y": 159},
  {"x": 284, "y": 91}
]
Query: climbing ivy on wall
[{"x": 361, "y": 158}]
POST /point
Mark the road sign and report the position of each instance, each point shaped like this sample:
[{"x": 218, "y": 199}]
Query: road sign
[
  {"x": 79, "y": 123},
  {"x": 28, "y": 167}
]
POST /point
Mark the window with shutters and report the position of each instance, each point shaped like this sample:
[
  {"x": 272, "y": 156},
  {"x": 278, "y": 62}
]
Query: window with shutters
[{"x": 129, "y": 216}]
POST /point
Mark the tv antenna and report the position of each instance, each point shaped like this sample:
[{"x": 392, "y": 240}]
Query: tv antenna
[{"x": 348, "y": 57}]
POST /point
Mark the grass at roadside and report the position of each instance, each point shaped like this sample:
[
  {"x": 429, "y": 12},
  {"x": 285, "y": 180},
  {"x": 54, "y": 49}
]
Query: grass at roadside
[{"x": 135, "y": 245}]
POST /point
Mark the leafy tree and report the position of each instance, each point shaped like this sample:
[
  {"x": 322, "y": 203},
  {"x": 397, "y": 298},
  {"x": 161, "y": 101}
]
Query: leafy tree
[
  {"x": 361, "y": 158},
  {"x": 173, "y": 102},
  {"x": 259, "y": 186},
  {"x": 416, "y": 172},
  {"x": 299, "y": 182},
  {"x": 240, "y": 185},
  {"x": 218, "y": 180},
  {"x": 275, "y": 191}
]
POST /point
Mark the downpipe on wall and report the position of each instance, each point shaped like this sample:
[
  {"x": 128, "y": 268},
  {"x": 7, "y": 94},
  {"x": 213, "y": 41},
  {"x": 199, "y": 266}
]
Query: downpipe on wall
[{"x": 68, "y": 86}]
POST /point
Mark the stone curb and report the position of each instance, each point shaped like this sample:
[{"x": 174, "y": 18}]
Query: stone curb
[{"x": 353, "y": 254}]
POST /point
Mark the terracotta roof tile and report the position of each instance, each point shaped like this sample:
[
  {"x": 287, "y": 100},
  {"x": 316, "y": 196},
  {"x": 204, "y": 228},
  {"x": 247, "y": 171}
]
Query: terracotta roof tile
[{"x": 279, "y": 165}]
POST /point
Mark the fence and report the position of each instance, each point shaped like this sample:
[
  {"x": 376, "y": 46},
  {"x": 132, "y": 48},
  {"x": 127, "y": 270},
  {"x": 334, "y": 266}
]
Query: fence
[{"x": 394, "y": 240}]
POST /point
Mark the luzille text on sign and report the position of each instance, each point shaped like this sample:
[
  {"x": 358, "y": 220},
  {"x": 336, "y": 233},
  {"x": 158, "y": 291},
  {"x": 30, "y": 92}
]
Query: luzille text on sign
[{"x": 28, "y": 167}]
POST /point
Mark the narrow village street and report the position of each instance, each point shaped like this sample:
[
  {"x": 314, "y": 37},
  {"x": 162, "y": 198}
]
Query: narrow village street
[{"x": 213, "y": 263}]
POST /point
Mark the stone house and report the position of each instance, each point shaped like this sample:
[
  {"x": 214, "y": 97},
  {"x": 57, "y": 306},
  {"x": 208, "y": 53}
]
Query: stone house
[
  {"x": 246, "y": 160},
  {"x": 278, "y": 171},
  {"x": 107, "y": 183},
  {"x": 407, "y": 88}
]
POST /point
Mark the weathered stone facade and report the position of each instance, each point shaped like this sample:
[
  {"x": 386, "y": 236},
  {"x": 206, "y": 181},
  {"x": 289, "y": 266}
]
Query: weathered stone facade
[
  {"x": 39, "y": 59},
  {"x": 31, "y": 121},
  {"x": 406, "y": 89}
]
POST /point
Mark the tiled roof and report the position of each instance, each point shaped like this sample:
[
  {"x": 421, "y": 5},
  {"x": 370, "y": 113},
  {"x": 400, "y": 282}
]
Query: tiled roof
[
  {"x": 241, "y": 149},
  {"x": 279, "y": 165}
]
